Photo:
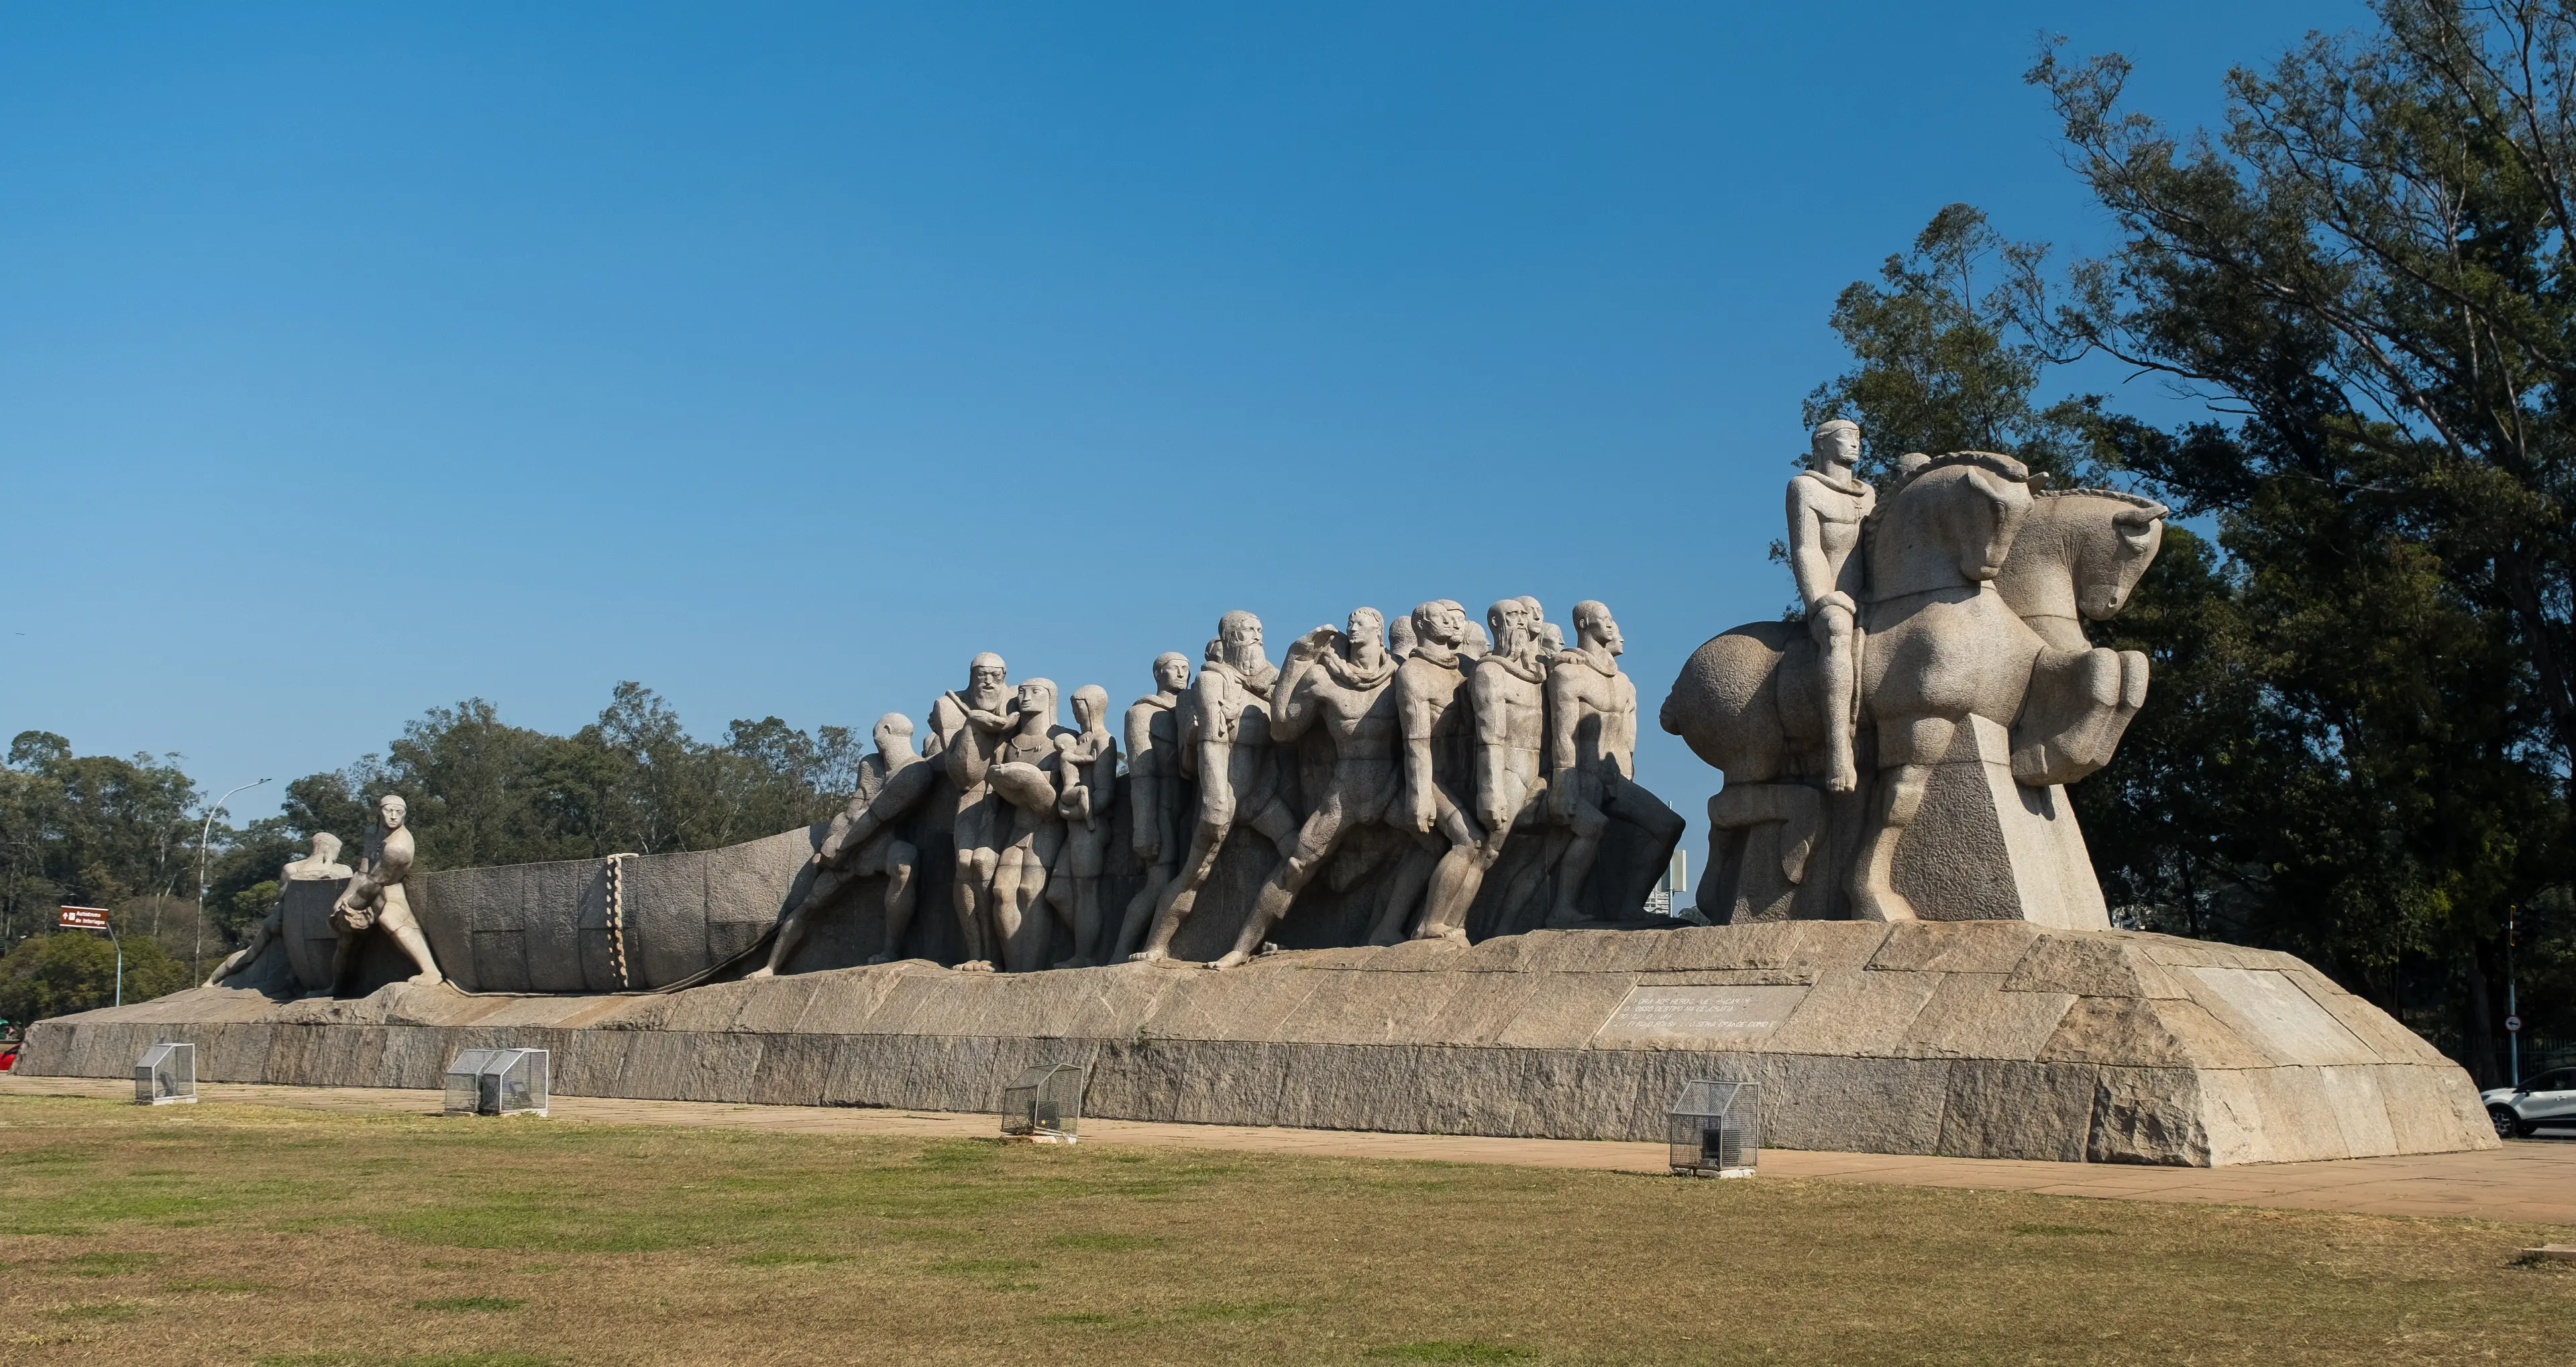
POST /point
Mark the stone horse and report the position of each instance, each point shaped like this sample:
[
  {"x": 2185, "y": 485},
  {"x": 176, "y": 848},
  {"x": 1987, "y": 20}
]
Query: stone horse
[{"x": 1979, "y": 699}]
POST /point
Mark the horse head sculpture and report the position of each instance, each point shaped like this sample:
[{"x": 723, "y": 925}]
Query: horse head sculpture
[
  {"x": 2079, "y": 555},
  {"x": 1952, "y": 523}
]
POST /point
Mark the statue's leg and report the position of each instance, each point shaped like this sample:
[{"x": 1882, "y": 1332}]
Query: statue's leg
[
  {"x": 1207, "y": 841},
  {"x": 270, "y": 928},
  {"x": 1584, "y": 848},
  {"x": 1010, "y": 909},
  {"x": 791, "y": 928},
  {"x": 899, "y": 897},
  {"x": 1140, "y": 911},
  {"x": 1873, "y": 890},
  {"x": 1075, "y": 891},
  {"x": 1312, "y": 845},
  {"x": 1455, "y": 880},
  {"x": 1839, "y": 676},
  {"x": 344, "y": 957},
  {"x": 977, "y": 870},
  {"x": 1040, "y": 854},
  {"x": 1404, "y": 888},
  {"x": 397, "y": 921}
]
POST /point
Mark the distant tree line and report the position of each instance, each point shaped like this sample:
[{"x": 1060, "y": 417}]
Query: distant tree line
[{"x": 2359, "y": 739}]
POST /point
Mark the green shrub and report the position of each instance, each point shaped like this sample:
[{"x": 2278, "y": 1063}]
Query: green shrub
[{"x": 75, "y": 970}]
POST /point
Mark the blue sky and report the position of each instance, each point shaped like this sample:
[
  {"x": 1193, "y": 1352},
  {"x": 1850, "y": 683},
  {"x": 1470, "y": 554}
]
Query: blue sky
[{"x": 356, "y": 360}]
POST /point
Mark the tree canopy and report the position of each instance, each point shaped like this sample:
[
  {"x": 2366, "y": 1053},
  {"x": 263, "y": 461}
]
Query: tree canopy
[{"x": 2357, "y": 745}]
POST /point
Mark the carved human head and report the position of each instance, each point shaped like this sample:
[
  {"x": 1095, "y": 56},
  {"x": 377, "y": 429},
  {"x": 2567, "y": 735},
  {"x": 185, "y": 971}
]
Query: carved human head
[
  {"x": 1551, "y": 637},
  {"x": 1366, "y": 625},
  {"x": 986, "y": 671},
  {"x": 1834, "y": 446},
  {"x": 1171, "y": 671},
  {"x": 1511, "y": 622},
  {"x": 1240, "y": 633},
  {"x": 1400, "y": 639},
  {"x": 326, "y": 847},
  {"x": 1440, "y": 622},
  {"x": 1035, "y": 697},
  {"x": 391, "y": 810},
  {"x": 893, "y": 733},
  {"x": 1594, "y": 626},
  {"x": 1472, "y": 641},
  {"x": 1090, "y": 704}
]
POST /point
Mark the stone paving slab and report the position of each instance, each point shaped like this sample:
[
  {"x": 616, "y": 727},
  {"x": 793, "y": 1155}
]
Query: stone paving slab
[{"x": 2526, "y": 1181}]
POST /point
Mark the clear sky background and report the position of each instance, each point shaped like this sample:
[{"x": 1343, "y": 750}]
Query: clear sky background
[{"x": 360, "y": 359}]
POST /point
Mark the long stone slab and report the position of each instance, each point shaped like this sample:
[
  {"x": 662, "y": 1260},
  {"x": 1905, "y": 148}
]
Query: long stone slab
[{"x": 1994, "y": 1039}]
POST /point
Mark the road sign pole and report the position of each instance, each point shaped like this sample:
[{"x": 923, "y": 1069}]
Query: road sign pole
[
  {"x": 2512, "y": 1009},
  {"x": 97, "y": 918}
]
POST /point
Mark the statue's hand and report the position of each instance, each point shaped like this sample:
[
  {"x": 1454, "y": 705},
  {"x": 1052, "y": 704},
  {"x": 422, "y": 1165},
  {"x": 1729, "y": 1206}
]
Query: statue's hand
[
  {"x": 1305, "y": 648},
  {"x": 1147, "y": 843},
  {"x": 1425, "y": 816}
]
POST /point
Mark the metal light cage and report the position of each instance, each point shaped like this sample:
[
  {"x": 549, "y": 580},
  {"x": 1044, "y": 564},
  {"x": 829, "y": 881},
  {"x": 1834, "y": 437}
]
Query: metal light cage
[
  {"x": 1715, "y": 1128},
  {"x": 462, "y": 1081},
  {"x": 166, "y": 1073},
  {"x": 1045, "y": 1105},
  {"x": 500, "y": 1082}
]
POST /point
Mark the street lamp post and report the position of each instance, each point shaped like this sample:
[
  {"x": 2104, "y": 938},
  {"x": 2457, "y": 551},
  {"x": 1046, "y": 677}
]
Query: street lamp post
[{"x": 197, "y": 951}]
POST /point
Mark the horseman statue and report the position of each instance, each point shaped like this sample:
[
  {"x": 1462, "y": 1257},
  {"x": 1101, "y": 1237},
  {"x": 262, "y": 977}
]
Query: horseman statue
[{"x": 1902, "y": 752}]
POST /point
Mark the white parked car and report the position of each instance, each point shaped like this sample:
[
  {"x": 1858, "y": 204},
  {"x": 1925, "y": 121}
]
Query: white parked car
[{"x": 2545, "y": 1099}]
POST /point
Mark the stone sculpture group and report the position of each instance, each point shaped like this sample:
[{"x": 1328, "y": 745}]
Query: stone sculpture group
[
  {"x": 1897, "y": 753},
  {"x": 1446, "y": 739},
  {"x": 1903, "y": 753},
  {"x": 373, "y": 899}
]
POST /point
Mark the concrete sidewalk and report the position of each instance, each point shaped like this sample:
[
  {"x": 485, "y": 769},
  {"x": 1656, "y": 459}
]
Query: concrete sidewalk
[{"x": 2526, "y": 1181}]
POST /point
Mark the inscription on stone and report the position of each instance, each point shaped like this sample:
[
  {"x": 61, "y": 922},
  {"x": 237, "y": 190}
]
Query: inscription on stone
[{"x": 1694, "y": 1013}]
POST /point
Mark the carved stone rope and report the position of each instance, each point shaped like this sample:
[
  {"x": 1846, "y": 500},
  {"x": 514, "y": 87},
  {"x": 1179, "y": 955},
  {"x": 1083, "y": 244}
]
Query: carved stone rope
[{"x": 615, "y": 877}]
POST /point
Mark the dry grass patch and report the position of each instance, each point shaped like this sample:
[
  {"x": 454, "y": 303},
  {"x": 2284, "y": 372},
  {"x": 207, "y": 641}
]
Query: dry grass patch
[{"x": 243, "y": 1235}]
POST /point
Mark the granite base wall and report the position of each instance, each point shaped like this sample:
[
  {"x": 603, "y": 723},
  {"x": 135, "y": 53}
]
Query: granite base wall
[{"x": 1996, "y": 1039}]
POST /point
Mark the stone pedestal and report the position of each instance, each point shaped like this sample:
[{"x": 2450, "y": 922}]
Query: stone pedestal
[{"x": 1994, "y": 1039}]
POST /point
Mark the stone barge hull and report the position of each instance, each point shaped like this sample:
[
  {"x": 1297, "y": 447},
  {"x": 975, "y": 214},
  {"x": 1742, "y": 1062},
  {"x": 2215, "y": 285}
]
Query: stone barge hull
[{"x": 1976, "y": 1039}]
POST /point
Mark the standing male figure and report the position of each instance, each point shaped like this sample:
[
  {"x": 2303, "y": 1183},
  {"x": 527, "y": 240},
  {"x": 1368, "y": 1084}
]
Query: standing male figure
[
  {"x": 1023, "y": 775},
  {"x": 1087, "y": 783},
  {"x": 1225, "y": 737},
  {"x": 1439, "y": 765},
  {"x": 1341, "y": 681},
  {"x": 861, "y": 843},
  {"x": 1827, "y": 503},
  {"x": 375, "y": 897},
  {"x": 323, "y": 865},
  {"x": 1154, "y": 791},
  {"x": 1508, "y": 691},
  {"x": 969, "y": 726},
  {"x": 1592, "y": 743}
]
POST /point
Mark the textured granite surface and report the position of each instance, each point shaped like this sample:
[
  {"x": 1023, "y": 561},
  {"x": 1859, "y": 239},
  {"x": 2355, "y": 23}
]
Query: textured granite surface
[{"x": 1978, "y": 1039}]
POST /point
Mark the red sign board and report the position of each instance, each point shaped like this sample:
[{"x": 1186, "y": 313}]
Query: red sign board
[{"x": 84, "y": 918}]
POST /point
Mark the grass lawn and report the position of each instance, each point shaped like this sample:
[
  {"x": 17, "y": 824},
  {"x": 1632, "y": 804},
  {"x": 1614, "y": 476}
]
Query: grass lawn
[{"x": 238, "y": 1234}]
